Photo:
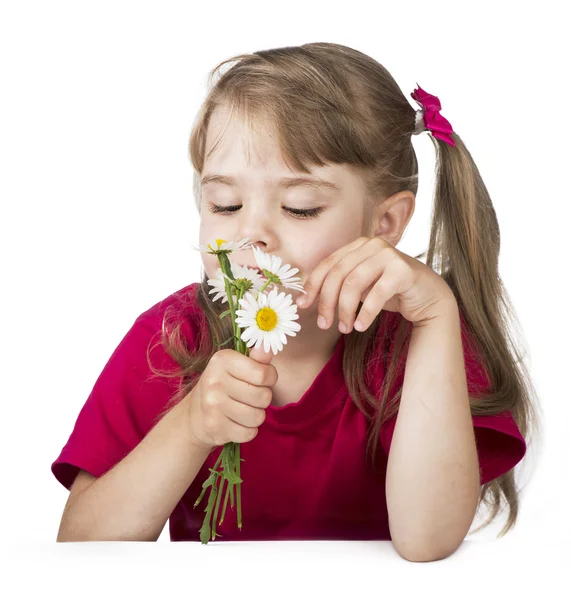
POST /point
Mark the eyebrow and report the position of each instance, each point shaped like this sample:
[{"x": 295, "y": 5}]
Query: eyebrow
[{"x": 285, "y": 182}]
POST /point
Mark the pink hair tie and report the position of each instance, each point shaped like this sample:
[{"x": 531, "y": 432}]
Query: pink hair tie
[{"x": 429, "y": 117}]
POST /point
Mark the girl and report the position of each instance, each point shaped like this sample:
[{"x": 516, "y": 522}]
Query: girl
[{"x": 398, "y": 430}]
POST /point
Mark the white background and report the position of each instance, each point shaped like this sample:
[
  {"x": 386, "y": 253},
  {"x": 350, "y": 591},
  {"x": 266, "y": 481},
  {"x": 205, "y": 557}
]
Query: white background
[{"x": 98, "y": 218}]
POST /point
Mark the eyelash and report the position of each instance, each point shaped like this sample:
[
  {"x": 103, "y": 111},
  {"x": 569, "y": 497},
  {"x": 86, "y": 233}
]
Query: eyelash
[{"x": 302, "y": 214}]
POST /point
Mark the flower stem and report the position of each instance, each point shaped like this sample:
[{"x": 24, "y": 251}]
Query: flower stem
[
  {"x": 230, "y": 454},
  {"x": 264, "y": 286},
  {"x": 216, "y": 509},
  {"x": 208, "y": 482},
  {"x": 239, "y": 490},
  {"x": 228, "y": 487}
]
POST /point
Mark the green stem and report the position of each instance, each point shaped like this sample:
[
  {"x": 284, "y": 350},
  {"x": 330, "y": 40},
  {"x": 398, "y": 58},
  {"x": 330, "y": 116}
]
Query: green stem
[
  {"x": 208, "y": 482},
  {"x": 264, "y": 286},
  {"x": 239, "y": 490},
  {"x": 228, "y": 487},
  {"x": 234, "y": 448},
  {"x": 217, "y": 507}
]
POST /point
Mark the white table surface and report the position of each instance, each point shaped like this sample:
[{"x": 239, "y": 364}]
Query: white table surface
[{"x": 273, "y": 570}]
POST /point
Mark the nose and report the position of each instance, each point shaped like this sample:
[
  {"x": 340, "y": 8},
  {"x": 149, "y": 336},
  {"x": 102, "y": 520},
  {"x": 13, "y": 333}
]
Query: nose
[{"x": 255, "y": 221}]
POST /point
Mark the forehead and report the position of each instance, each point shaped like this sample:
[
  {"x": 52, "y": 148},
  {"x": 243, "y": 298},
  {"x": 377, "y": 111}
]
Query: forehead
[
  {"x": 244, "y": 150},
  {"x": 232, "y": 141}
]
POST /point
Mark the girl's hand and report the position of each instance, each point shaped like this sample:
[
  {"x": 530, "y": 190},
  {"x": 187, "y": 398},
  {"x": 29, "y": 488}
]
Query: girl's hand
[
  {"x": 372, "y": 271},
  {"x": 229, "y": 402}
]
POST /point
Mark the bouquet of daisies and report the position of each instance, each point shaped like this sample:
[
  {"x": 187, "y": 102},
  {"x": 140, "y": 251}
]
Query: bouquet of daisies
[{"x": 266, "y": 318}]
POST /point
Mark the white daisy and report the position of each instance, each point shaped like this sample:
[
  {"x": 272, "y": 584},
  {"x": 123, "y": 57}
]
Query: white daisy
[
  {"x": 219, "y": 288},
  {"x": 267, "y": 319},
  {"x": 272, "y": 269},
  {"x": 216, "y": 245}
]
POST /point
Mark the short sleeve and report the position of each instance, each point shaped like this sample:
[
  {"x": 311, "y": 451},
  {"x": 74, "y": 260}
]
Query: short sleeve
[
  {"x": 121, "y": 407},
  {"x": 499, "y": 442}
]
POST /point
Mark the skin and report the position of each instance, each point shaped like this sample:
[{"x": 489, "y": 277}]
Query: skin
[{"x": 254, "y": 159}]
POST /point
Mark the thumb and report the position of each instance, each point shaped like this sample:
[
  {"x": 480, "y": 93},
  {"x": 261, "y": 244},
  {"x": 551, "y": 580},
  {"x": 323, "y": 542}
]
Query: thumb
[{"x": 259, "y": 355}]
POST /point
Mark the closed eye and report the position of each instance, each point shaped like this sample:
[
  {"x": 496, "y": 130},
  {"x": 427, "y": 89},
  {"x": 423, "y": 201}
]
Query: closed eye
[{"x": 298, "y": 212}]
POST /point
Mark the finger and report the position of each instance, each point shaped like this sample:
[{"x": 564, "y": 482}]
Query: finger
[
  {"x": 343, "y": 274},
  {"x": 240, "y": 434},
  {"x": 245, "y": 415},
  {"x": 356, "y": 288},
  {"x": 246, "y": 368},
  {"x": 313, "y": 285},
  {"x": 381, "y": 292},
  {"x": 248, "y": 394}
]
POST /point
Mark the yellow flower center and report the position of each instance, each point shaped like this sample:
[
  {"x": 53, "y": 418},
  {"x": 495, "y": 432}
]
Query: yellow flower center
[
  {"x": 219, "y": 243},
  {"x": 266, "y": 319}
]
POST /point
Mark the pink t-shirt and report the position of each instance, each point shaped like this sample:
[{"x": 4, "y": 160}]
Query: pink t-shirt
[{"x": 305, "y": 475}]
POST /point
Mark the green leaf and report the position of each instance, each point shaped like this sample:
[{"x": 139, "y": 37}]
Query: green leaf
[
  {"x": 205, "y": 529},
  {"x": 210, "y": 481}
]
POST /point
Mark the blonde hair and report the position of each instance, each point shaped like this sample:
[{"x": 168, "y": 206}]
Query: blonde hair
[{"x": 328, "y": 103}]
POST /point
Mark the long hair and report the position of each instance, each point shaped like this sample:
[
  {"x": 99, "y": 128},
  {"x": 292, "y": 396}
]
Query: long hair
[{"x": 329, "y": 103}]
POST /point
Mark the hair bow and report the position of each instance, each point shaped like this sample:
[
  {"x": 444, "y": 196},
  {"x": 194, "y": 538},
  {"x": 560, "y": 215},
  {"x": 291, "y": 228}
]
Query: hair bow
[{"x": 433, "y": 120}]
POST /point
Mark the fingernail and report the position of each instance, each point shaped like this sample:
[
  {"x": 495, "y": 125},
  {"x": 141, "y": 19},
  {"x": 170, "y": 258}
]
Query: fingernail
[
  {"x": 300, "y": 301},
  {"x": 358, "y": 325},
  {"x": 322, "y": 322}
]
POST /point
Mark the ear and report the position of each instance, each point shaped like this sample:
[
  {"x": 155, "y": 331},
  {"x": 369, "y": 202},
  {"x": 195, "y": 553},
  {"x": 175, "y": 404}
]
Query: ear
[{"x": 392, "y": 216}]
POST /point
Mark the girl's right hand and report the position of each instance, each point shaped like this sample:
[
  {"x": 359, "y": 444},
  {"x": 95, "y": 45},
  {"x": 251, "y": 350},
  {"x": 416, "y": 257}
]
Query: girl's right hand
[{"x": 228, "y": 403}]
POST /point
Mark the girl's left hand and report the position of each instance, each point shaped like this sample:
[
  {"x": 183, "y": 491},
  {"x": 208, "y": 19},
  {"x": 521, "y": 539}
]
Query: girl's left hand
[{"x": 372, "y": 271}]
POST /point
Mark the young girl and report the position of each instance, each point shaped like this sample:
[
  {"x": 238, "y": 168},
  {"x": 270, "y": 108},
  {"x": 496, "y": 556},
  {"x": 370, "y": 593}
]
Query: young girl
[{"x": 307, "y": 152}]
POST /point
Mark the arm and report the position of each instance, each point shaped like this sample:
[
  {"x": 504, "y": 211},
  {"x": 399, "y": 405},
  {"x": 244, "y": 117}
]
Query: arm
[
  {"x": 134, "y": 499},
  {"x": 433, "y": 479}
]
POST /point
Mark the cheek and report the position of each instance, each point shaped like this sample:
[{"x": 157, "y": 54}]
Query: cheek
[{"x": 318, "y": 253}]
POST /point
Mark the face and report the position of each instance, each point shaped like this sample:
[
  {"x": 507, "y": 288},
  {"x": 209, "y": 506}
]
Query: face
[{"x": 269, "y": 211}]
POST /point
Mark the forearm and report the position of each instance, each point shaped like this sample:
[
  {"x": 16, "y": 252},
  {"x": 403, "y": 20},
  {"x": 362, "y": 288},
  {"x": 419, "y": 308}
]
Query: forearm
[
  {"x": 433, "y": 481},
  {"x": 134, "y": 499}
]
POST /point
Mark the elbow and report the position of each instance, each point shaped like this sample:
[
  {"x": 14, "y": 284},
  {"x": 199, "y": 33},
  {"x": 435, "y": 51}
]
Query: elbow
[
  {"x": 67, "y": 536},
  {"x": 421, "y": 543},
  {"x": 422, "y": 552},
  {"x": 424, "y": 549},
  {"x": 76, "y": 537},
  {"x": 68, "y": 533}
]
